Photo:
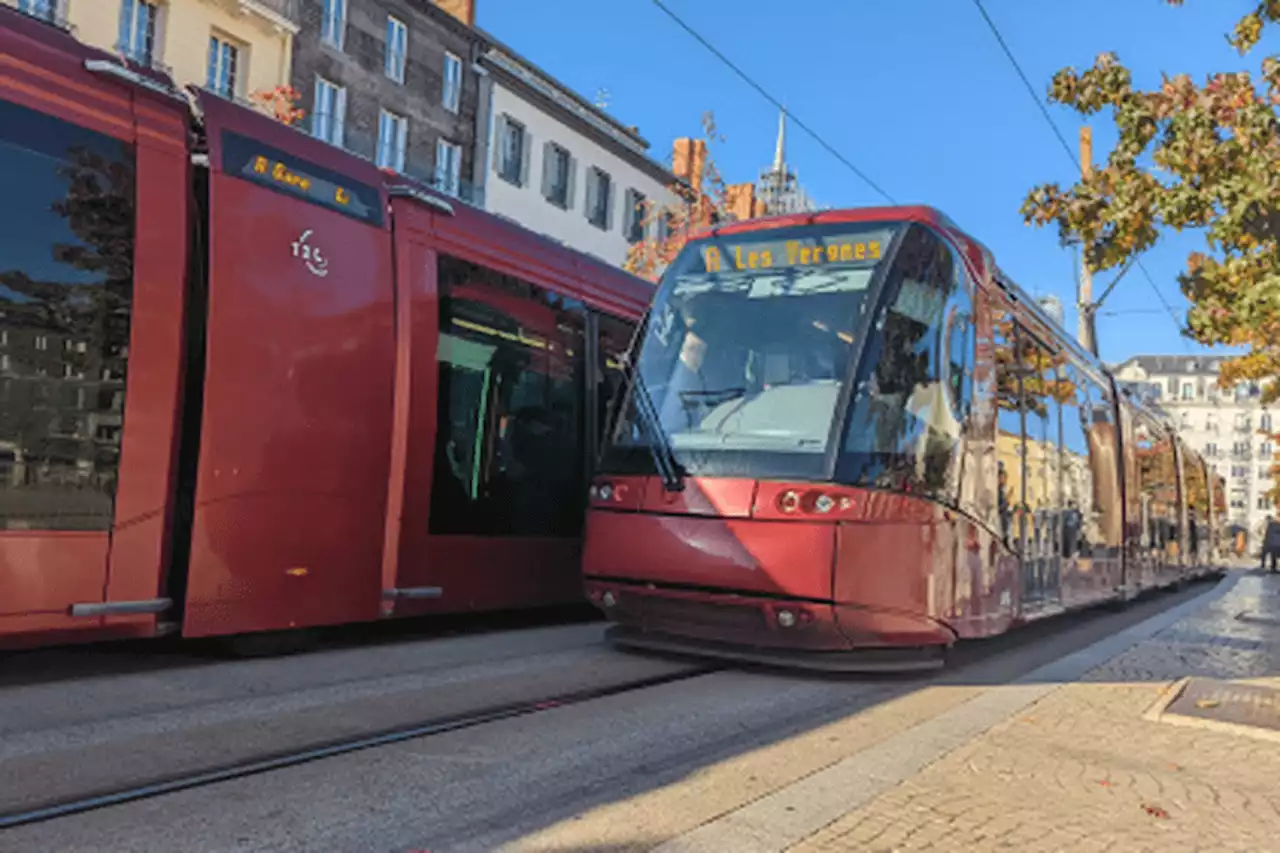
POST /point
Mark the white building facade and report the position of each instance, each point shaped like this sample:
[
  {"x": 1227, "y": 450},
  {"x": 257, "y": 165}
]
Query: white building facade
[
  {"x": 562, "y": 167},
  {"x": 1229, "y": 427}
]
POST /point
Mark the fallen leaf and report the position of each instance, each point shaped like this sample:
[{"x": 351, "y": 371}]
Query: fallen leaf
[
  {"x": 1155, "y": 811},
  {"x": 1106, "y": 783},
  {"x": 1173, "y": 766},
  {"x": 1207, "y": 703}
]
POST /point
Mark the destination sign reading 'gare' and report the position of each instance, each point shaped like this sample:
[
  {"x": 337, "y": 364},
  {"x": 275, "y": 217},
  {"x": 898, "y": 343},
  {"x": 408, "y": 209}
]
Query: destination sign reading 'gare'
[
  {"x": 809, "y": 252},
  {"x": 250, "y": 159}
]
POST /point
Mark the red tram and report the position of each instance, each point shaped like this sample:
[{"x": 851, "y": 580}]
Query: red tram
[
  {"x": 249, "y": 384},
  {"x": 848, "y": 440}
]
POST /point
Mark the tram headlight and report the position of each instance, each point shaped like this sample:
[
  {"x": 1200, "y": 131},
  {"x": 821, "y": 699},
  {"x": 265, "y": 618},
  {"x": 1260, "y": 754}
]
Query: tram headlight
[
  {"x": 608, "y": 600},
  {"x": 605, "y": 492},
  {"x": 824, "y": 503},
  {"x": 786, "y": 618}
]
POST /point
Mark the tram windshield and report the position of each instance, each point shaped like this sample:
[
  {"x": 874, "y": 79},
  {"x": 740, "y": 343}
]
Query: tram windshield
[{"x": 749, "y": 343}]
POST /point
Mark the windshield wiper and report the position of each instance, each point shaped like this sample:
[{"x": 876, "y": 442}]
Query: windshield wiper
[{"x": 664, "y": 458}]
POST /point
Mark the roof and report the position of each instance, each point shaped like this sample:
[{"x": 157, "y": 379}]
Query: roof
[{"x": 1193, "y": 365}]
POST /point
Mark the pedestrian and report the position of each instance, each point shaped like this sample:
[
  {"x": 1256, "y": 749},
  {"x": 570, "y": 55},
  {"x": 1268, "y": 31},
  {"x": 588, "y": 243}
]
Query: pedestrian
[{"x": 1271, "y": 542}]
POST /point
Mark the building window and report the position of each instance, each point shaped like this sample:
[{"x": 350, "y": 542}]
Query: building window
[
  {"x": 557, "y": 175},
  {"x": 137, "y": 39},
  {"x": 1188, "y": 390},
  {"x": 73, "y": 192},
  {"x": 397, "y": 48},
  {"x": 451, "y": 96},
  {"x": 1211, "y": 449},
  {"x": 599, "y": 196},
  {"x": 333, "y": 23},
  {"x": 1239, "y": 472},
  {"x": 1266, "y": 451},
  {"x": 635, "y": 210},
  {"x": 1173, "y": 387},
  {"x": 224, "y": 60},
  {"x": 512, "y": 152},
  {"x": 1264, "y": 422},
  {"x": 509, "y": 429},
  {"x": 393, "y": 136},
  {"x": 1264, "y": 473},
  {"x": 45, "y": 10},
  {"x": 448, "y": 166},
  {"x": 329, "y": 113},
  {"x": 1264, "y": 502}
]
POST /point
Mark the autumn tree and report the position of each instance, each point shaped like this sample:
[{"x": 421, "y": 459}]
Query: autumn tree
[
  {"x": 281, "y": 103},
  {"x": 1189, "y": 155},
  {"x": 701, "y": 200}
]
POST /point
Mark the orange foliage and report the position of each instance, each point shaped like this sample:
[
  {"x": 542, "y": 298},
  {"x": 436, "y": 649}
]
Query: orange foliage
[{"x": 281, "y": 103}]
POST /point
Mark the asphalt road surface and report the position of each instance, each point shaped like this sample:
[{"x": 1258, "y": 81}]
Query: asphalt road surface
[{"x": 627, "y": 771}]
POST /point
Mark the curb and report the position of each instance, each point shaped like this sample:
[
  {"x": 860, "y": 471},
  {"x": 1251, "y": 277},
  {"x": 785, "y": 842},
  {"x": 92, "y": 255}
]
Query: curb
[{"x": 780, "y": 820}]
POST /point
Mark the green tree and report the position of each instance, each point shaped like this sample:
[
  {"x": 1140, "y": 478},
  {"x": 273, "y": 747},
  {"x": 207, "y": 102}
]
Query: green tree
[{"x": 1189, "y": 155}]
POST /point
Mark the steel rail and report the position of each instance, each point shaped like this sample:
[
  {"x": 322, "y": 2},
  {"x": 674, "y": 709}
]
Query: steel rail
[{"x": 293, "y": 758}]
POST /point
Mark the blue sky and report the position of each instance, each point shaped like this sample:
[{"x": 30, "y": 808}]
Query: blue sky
[{"x": 917, "y": 93}]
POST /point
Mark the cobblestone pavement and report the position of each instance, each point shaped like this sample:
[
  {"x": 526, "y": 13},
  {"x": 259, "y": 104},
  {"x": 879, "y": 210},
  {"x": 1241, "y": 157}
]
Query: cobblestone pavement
[{"x": 1081, "y": 769}]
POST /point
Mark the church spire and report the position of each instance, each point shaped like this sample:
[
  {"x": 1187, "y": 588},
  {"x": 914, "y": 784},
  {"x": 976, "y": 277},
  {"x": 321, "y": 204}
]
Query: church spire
[{"x": 780, "y": 152}]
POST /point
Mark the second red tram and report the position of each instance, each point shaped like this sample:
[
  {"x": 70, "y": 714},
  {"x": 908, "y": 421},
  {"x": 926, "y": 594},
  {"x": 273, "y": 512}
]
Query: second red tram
[
  {"x": 250, "y": 383},
  {"x": 849, "y": 440}
]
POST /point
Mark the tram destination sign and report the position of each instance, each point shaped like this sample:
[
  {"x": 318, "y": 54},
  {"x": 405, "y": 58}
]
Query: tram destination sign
[
  {"x": 251, "y": 160},
  {"x": 762, "y": 250}
]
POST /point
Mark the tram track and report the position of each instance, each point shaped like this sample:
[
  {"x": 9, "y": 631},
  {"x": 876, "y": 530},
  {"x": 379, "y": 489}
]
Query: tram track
[{"x": 343, "y": 746}]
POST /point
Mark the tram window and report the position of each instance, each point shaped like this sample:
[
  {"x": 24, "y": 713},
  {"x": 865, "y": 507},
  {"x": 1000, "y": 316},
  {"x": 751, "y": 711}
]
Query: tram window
[
  {"x": 1103, "y": 437},
  {"x": 1080, "y": 534},
  {"x": 960, "y": 345},
  {"x": 614, "y": 339},
  {"x": 1041, "y": 392},
  {"x": 1009, "y": 498},
  {"x": 903, "y": 431},
  {"x": 66, "y": 294},
  {"x": 509, "y": 408}
]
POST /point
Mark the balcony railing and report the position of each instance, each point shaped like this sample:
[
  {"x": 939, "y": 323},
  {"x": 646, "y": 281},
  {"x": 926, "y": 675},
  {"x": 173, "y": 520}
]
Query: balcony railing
[
  {"x": 50, "y": 11},
  {"x": 286, "y": 9}
]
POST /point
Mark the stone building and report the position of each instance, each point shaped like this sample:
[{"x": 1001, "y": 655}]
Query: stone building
[
  {"x": 395, "y": 81},
  {"x": 1231, "y": 428}
]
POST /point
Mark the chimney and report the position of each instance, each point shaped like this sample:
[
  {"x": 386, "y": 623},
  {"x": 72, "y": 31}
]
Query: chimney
[
  {"x": 741, "y": 201},
  {"x": 463, "y": 10},
  {"x": 689, "y": 161}
]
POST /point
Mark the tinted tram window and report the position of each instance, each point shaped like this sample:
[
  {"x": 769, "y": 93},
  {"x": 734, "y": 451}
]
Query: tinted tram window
[
  {"x": 66, "y": 288},
  {"x": 1079, "y": 519},
  {"x": 905, "y": 424},
  {"x": 614, "y": 339},
  {"x": 510, "y": 413},
  {"x": 1103, "y": 436},
  {"x": 1010, "y": 498},
  {"x": 1042, "y": 390},
  {"x": 1196, "y": 495}
]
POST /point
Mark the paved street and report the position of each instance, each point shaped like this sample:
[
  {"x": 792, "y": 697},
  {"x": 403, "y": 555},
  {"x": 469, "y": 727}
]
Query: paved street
[
  {"x": 1033, "y": 739},
  {"x": 1081, "y": 769}
]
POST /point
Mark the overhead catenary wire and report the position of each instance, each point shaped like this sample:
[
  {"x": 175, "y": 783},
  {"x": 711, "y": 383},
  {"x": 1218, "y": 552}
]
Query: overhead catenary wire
[
  {"x": 1066, "y": 146},
  {"x": 747, "y": 78}
]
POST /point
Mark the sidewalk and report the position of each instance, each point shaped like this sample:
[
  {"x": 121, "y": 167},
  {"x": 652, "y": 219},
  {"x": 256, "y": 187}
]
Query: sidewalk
[{"x": 1092, "y": 764}]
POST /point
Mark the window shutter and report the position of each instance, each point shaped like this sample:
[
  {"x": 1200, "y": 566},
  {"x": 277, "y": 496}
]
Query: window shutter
[
  {"x": 548, "y": 153},
  {"x": 526, "y": 155},
  {"x": 499, "y": 142},
  {"x": 593, "y": 189},
  {"x": 609, "y": 198},
  {"x": 340, "y": 117},
  {"x": 572, "y": 184}
]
